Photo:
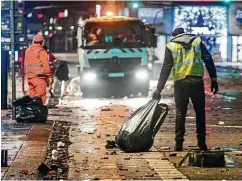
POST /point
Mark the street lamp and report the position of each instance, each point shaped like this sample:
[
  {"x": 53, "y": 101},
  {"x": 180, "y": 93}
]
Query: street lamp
[{"x": 135, "y": 5}]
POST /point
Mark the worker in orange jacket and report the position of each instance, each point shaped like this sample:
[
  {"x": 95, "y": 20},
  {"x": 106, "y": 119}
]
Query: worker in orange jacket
[{"x": 37, "y": 68}]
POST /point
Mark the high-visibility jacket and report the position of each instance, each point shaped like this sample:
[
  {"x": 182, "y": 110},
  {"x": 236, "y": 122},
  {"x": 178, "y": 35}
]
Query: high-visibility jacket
[
  {"x": 187, "y": 59},
  {"x": 36, "y": 62}
]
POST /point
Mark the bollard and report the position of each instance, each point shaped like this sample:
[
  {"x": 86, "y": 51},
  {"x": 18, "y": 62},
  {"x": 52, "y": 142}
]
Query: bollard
[
  {"x": 4, "y": 158},
  {"x": 4, "y": 75}
]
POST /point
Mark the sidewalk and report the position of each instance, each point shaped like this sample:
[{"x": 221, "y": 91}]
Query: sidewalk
[{"x": 229, "y": 65}]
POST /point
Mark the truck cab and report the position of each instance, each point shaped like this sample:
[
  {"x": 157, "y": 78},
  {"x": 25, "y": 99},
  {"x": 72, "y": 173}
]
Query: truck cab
[{"x": 113, "y": 56}]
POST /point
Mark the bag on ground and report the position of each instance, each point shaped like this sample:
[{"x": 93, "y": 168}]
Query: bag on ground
[
  {"x": 32, "y": 111},
  {"x": 138, "y": 131}
]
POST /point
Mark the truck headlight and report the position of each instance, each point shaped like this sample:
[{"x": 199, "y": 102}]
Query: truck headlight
[
  {"x": 142, "y": 74},
  {"x": 89, "y": 76},
  {"x": 150, "y": 66}
]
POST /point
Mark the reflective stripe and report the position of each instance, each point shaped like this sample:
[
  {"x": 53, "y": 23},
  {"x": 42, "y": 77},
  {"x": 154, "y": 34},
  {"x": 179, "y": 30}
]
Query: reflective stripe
[
  {"x": 187, "y": 60},
  {"x": 34, "y": 72},
  {"x": 34, "y": 65},
  {"x": 183, "y": 63}
]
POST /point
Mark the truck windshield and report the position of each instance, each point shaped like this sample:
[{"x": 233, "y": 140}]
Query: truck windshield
[{"x": 113, "y": 34}]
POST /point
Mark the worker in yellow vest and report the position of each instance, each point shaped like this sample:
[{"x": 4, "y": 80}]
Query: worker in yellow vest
[{"x": 185, "y": 55}]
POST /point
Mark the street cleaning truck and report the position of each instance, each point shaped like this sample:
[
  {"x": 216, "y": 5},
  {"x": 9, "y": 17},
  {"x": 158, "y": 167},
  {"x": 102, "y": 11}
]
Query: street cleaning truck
[{"x": 114, "y": 57}]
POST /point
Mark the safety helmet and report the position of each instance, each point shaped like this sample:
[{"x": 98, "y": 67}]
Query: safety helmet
[{"x": 38, "y": 38}]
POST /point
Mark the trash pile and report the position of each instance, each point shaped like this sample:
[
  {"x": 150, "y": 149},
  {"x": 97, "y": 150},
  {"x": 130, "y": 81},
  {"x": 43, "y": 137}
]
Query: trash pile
[
  {"x": 55, "y": 166},
  {"x": 30, "y": 110},
  {"x": 138, "y": 131},
  {"x": 73, "y": 87}
]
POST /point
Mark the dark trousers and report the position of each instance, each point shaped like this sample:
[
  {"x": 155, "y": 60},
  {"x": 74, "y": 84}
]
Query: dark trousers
[{"x": 192, "y": 88}]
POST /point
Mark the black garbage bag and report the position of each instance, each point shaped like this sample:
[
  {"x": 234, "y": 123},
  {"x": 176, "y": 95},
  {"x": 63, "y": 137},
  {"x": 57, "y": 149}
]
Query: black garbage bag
[
  {"x": 62, "y": 72},
  {"x": 138, "y": 131},
  {"x": 23, "y": 101},
  {"x": 33, "y": 112},
  {"x": 36, "y": 101}
]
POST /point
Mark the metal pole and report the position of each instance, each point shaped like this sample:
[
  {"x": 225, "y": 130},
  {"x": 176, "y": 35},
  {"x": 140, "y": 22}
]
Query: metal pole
[
  {"x": 12, "y": 29},
  {"x": 4, "y": 75}
]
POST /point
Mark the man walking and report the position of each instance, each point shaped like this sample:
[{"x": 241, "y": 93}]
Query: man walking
[
  {"x": 52, "y": 60},
  {"x": 37, "y": 69},
  {"x": 185, "y": 54}
]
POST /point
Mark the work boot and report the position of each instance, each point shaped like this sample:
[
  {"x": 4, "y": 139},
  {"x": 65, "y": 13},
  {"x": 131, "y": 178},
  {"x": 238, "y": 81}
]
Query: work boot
[
  {"x": 202, "y": 145},
  {"x": 178, "y": 146}
]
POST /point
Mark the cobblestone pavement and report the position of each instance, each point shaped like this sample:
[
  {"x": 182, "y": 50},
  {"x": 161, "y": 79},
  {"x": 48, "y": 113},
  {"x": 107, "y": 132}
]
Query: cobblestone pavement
[{"x": 93, "y": 122}]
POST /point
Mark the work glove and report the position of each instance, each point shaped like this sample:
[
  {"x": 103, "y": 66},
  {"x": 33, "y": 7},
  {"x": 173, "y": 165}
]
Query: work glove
[
  {"x": 214, "y": 86},
  {"x": 156, "y": 95},
  {"x": 50, "y": 80}
]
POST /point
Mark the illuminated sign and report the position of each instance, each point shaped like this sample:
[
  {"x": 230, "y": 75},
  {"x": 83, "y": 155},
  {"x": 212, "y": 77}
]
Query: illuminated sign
[
  {"x": 151, "y": 15},
  {"x": 5, "y": 40},
  {"x": 239, "y": 16}
]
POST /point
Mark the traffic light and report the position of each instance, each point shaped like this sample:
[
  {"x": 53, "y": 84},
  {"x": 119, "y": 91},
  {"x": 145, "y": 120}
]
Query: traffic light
[
  {"x": 63, "y": 14},
  {"x": 40, "y": 15},
  {"x": 133, "y": 8},
  {"x": 135, "y": 5}
]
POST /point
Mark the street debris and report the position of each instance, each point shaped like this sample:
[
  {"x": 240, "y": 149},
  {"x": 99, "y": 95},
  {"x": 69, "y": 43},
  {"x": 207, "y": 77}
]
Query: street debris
[
  {"x": 110, "y": 144},
  {"x": 190, "y": 117},
  {"x": 99, "y": 136},
  {"x": 60, "y": 145},
  {"x": 24, "y": 171},
  {"x": 183, "y": 159},
  {"x": 113, "y": 153},
  {"x": 123, "y": 169},
  {"x": 208, "y": 108},
  {"x": 207, "y": 159},
  {"x": 173, "y": 154},
  {"x": 221, "y": 123},
  {"x": 57, "y": 154},
  {"x": 226, "y": 108},
  {"x": 238, "y": 154},
  {"x": 164, "y": 148},
  {"x": 106, "y": 109},
  {"x": 73, "y": 87}
]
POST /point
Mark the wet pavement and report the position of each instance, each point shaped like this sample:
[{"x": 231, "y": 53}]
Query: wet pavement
[
  {"x": 13, "y": 136},
  {"x": 91, "y": 122}
]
